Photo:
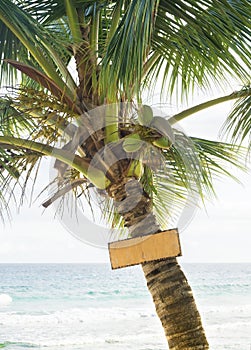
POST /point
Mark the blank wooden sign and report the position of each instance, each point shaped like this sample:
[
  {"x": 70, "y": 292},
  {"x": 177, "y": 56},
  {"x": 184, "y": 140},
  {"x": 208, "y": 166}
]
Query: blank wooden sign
[{"x": 141, "y": 249}]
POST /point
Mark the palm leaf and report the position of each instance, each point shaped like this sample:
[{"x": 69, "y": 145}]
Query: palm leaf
[
  {"x": 129, "y": 47},
  {"x": 199, "y": 42},
  {"x": 48, "y": 11},
  {"x": 192, "y": 166},
  {"x": 22, "y": 29},
  {"x": 10, "y": 47},
  {"x": 73, "y": 20},
  {"x": 12, "y": 121},
  {"x": 16, "y": 168},
  {"x": 219, "y": 158},
  {"x": 238, "y": 123}
]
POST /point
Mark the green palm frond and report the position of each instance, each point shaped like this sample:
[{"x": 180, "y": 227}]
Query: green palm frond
[
  {"x": 182, "y": 181},
  {"x": 238, "y": 123},
  {"x": 110, "y": 215},
  {"x": 34, "y": 122},
  {"x": 10, "y": 47},
  {"x": 220, "y": 158},
  {"x": 13, "y": 122},
  {"x": 16, "y": 169},
  {"x": 28, "y": 116},
  {"x": 48, "y": 11},
  {"x": 22, "y": 30},
  {"x": 196, "y": 41},
  {"x": 184, "y": 174},
  {"x": 191, "y": 167},
  {"x": 167, "y": 195},
  {"x": 199, "y": 42},
  {"x": 129, "y": 47}
]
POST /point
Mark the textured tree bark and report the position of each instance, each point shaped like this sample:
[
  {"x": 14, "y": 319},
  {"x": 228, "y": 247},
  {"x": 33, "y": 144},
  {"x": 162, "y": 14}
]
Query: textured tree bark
[
  {"x": 175, "y": 305},
  {"x": 166, "y": 282}
]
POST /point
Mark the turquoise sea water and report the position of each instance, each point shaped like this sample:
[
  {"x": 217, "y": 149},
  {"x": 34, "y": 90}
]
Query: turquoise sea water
[{"x": 84, "y": 307}]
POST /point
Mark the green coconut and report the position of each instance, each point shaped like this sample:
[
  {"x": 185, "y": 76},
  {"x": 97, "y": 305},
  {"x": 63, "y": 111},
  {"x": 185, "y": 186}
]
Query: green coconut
[
  {"x": 136, "y": 169},
  {"x": 164, "y": 128},
  {"x": 163, "y": 143},
  {"x": 132, "y": 143},
  {"x": 145, "y": 115}
]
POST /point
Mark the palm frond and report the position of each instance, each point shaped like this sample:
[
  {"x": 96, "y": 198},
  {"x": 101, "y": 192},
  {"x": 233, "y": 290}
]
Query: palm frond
[
  {"x": 34, "y": 121},
  {"x": 220, "y": 158},
  {"x": 21, "y": 30},
  {"x": 128, "y": 48},
  {"x": 16, "y": 169},
  {"x": 238, "y": 123},
  {"x": 10, "y": 47},
  {"x": 168, "y": 197},
  {"x": 13, "y": 122},
  {"x": 49, "y": 11},
  {"x": 199, "y": 42},
  {"x": 187, "y": 177}
]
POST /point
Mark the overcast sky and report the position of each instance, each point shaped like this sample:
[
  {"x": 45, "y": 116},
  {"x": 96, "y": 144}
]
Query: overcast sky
[{"x": 222, "y": 234}]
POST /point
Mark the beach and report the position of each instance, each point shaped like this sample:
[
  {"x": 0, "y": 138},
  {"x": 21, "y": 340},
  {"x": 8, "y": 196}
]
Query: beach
[{"x": 89, "y": 306}]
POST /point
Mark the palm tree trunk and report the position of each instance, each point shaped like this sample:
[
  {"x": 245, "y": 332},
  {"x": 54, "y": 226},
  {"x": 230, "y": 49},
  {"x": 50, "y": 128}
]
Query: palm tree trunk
[
  {"x": 166, "y": 282},
  {"x": 175, "y": 305}
]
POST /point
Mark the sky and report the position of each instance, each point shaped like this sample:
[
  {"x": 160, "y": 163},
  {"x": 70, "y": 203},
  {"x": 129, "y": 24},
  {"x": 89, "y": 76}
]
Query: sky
[{"x": 221, "y": 233}]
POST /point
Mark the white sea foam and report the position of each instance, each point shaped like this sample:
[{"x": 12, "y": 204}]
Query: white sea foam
[
  {"x": 113, "y": 328},
  {"x": 78, "y": 315},
  {"x": 5, "y": 299},
  {"x": 101, "y": 328}
]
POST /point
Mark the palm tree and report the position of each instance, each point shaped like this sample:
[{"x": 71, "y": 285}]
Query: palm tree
[{"x": 119, "y": 48}]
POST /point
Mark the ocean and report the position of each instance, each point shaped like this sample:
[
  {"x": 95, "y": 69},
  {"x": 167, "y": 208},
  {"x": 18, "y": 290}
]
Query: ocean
[{"x": 91, "y": 307}]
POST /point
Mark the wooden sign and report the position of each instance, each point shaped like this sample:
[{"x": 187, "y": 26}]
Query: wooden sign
[{"x": 141, "y": 249}]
